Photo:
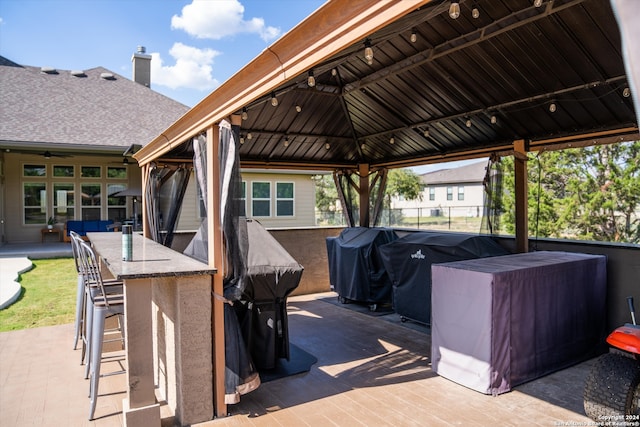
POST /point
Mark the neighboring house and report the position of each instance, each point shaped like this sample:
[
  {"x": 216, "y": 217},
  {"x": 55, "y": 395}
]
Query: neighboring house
[
  {"x": 66, "y": 138},
  {"x": 65, "y": 142},
  {"x": 456, "y": 192}
]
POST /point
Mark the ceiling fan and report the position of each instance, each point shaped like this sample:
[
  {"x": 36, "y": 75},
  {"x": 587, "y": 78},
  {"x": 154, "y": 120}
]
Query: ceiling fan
[{"x": 48, "y": 154}]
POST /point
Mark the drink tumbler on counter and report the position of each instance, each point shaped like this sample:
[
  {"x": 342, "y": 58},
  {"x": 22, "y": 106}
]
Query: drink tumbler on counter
[{"x": 127, "y": 242}]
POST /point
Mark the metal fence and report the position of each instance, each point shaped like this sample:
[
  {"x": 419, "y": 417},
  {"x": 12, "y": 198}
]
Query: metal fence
[{"x": 458, "y": 218}]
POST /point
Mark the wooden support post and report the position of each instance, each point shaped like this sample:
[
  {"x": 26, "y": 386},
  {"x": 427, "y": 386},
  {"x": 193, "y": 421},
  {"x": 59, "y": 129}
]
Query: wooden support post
[
  {"x": 522, "y": 196},
  {"x": 364, "y": 193},
  {"x": 216, "y": 259}
]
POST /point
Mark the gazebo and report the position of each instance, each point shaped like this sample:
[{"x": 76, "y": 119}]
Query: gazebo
[{"x": 363, "y": 86}]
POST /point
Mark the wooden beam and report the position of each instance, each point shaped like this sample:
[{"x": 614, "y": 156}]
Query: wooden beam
[
  {"x": 522, "y": 196},
  {"x": 216, "y": 259}
]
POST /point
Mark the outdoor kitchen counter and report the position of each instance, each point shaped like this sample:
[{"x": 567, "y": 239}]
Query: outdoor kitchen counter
[{"x": 168, "y": 337}]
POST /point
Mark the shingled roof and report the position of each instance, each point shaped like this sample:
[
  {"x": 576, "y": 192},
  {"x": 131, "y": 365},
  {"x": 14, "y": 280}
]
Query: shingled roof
[
  {"x": 93, "y": 110},
  {"x": 473, "y": 172}
]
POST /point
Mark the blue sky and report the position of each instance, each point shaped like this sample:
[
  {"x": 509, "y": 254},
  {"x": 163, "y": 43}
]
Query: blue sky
[{"x": 196, "y": 44}]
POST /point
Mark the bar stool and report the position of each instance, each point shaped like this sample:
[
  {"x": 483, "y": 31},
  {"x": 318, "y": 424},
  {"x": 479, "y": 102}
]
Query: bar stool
[
  {"x": 83, "y": 288},
  {"x": 102, "y": 306}
]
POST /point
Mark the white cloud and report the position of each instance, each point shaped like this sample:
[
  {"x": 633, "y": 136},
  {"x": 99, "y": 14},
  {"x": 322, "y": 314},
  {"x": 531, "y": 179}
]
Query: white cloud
[
  {"x": 193, "y": 68},
  {"x": 205, "y": 19}
]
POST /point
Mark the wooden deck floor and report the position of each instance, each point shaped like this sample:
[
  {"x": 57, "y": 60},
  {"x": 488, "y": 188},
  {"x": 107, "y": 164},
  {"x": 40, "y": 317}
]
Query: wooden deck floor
[{"x": 371, "y": 370}]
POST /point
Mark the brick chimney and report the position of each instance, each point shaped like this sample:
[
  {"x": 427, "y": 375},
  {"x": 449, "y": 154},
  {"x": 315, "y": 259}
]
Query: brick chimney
[{"x": 141, "y": 67}]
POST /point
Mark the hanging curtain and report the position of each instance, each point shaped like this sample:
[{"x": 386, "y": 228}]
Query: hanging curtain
[
  {"x": 152, "y": 199},
  {"x": 378, "y": 187},
  {"x": 198, "y": 247},
  {"x": 346, "y": 195},
  {"x": 179, "y": 180},
  {"x": 492, "y": 183}
]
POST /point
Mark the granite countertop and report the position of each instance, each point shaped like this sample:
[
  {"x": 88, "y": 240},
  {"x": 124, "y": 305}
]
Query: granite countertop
[{"x": 150, "y": 259}]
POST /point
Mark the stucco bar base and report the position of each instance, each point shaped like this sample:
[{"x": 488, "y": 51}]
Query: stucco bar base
[{"x": 183, "y": 370}]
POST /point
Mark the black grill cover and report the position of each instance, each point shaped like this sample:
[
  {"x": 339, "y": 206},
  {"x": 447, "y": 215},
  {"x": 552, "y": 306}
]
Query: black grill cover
[
  {"x": 408, "y": 262},
  {"x": 272, "y": 274},
  {"x": 356, "y": 271}
]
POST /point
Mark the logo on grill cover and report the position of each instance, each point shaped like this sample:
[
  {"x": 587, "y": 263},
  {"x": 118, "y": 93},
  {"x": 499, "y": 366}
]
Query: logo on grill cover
[{"x": 418, "y": 255}]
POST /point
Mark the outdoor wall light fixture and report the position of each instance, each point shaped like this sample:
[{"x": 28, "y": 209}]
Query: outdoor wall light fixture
[
  {"x": 454, "y": 10},
  {"x": 274, "y": 100},
  {"x": 245, "y": 115},
  {"x": 368, "y": 52},
  {"x": 125, "y": 162},
  {"x": 311, "y": 81}
]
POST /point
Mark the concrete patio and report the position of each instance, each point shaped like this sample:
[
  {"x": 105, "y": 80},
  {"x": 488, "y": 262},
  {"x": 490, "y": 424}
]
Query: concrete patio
[{"x": 371, "y": 370}]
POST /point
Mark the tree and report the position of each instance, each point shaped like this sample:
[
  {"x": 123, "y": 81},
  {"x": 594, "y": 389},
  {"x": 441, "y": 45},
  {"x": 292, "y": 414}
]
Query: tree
[{"x": 588, "y": 193}]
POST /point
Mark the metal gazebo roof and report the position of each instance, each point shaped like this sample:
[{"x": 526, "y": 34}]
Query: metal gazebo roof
[{"x": 436, "y": 89}]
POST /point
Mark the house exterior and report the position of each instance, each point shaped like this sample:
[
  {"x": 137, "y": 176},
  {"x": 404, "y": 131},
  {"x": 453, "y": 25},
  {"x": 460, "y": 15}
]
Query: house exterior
[
  {"x": 66, "y": 140},
  {"x": 66, "y": 137},
  {"x": 456, "y": 192}
]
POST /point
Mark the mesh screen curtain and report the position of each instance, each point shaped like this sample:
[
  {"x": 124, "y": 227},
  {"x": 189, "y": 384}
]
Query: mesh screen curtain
[
  {"x": 493, "y": 197},
  {"x": 164, "y": 194}
]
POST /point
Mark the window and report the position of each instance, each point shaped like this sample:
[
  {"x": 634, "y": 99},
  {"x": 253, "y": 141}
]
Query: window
[
  {"x": 432, "y": 193},
  {"x": 116, "y": 206},
  {"x": 284, "y": 199},
  {"x": 90, "y": 172},
  {"x": 449, "y": 193},
  {"x": 91, "y": 196},
  {"x": 34, "y": 196},
  {"x": 460, "y": 193},
  {"x": 34, "y": 170},
  {"x": 261, "y": 199},
  {"x": 63, "y": 201},
  {"x": 117, "y": 172},
  {"x": 63, "y": 172}
]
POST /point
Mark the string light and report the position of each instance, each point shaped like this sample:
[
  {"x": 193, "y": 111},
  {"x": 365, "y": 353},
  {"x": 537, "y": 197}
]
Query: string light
[
  {"x": 475, "y": 12},
  {"x": 552, "y": 107},
  {"x": 626, "y": 92},
  {"x": 537, "y": 3},
  {"x": 311, "y": 81},
  {"x": 245, "y": 115},
  {"x": 298, "y": 108},
  {"x": 274, "y": 100},
  {"x": 414, "y": 36},
  {"x": 334, "y": 72},
  {"x": 368, "y": 52},
  {"x": 468, "y": 123},
  {"x": 454, "y": 10},
  {"x": 249, "y": 136},
  {"x": 426, "y": 133},
  {"x": 286, "y": 141},
  {"x": 327, "y": 146},
  {"x": 241, "y": 140},
  {"x": 392, "y": 140},
  {"x": 494, "y": 119}
]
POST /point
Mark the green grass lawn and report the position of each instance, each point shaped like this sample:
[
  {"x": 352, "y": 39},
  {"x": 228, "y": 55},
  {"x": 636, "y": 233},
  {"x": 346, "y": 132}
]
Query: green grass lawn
[{"x": 48, "y": 296}]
